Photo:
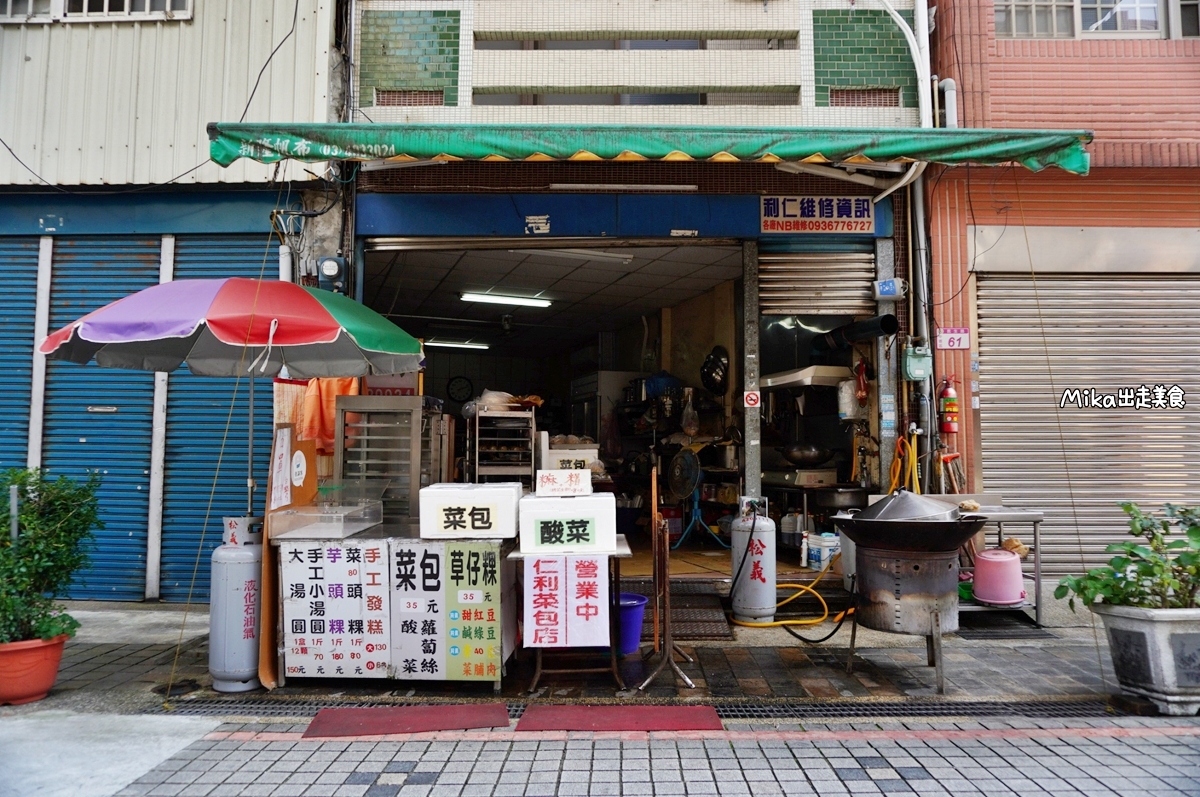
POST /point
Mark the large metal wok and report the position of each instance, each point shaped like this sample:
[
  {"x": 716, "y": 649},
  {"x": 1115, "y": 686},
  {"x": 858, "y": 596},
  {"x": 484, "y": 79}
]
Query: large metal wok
[{"x": 906, "y": 522}]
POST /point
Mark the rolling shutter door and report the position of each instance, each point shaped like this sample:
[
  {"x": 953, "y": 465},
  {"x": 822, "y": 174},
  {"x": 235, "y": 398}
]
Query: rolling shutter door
[
  {"x": 100, "y": 418},
  {"x": 832, "y": 283},
  {"x": 1105, "y": 333},
  {"x": 19, "y": 262},
  {"x": 197, "y": 443}
]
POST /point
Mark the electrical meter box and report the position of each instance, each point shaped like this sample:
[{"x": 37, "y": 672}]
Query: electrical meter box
[{"x": 918, "y": 363}]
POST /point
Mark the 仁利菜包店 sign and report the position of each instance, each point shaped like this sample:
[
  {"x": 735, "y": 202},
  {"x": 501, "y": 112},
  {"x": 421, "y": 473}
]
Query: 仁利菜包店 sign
[
  {"x": 819, "y": 214},
  {"x": 566, "y": 601}
]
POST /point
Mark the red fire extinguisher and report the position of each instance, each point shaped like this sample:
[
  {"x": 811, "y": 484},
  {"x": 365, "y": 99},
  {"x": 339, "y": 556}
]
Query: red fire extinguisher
[{"x": 948, "y": 406}]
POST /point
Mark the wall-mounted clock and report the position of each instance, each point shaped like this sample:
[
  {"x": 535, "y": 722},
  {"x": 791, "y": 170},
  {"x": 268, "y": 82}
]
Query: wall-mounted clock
[{"x": 460, "y": 389}]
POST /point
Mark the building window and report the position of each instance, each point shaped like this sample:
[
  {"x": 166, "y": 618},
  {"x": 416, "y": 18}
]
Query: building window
[
  {"x": 24, "y": 8},
  {"x": 93, "y": 10},
  {"x": 1118, "y": 15},
  {"x": 1189, "y": 17},
  {"x": 126, "y": 8},
  {"x": 1067, "y": 19},
  {"x": 1035, "y": 18}
]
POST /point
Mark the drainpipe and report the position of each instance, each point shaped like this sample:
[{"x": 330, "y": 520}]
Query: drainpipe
[
  {"x": 951, "y": 104},
  {"x": 917, "y": 38}
]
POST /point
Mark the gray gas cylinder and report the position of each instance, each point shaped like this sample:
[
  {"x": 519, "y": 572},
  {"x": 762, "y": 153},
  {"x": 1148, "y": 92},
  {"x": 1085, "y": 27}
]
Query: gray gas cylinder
[
  {"x": 233, "y": 623},
  {"x": 753, "y": 590}
]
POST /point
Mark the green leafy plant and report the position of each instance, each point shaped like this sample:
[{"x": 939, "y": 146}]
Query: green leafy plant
[
  {"x": 1150, "y": 572},
  {"x": 56, "y": 520}
]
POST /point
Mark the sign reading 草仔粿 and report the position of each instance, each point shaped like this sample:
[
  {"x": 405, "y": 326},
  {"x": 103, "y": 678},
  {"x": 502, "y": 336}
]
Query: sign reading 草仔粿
[
  {"x": 566, "y": 601},
  {"x": 819, "y": 214},
  {"x": 446, "y": 610},
  {"x": 335, "y": 608}
]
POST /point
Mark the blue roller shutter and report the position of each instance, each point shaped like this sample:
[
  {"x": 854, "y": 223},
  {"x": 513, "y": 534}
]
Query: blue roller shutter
[
  {"x": 18, "y": 262},
  {"x": 197, "y": 440},
  {"x": 100, "y": 418}
]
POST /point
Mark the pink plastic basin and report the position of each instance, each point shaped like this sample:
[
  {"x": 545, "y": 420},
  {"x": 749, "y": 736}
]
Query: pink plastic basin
[{"x": 998, "y": 578}]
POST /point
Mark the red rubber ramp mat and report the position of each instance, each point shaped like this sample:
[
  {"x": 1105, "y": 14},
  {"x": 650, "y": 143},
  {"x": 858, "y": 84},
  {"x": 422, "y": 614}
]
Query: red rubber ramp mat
[
  {"x": 378, "y": 721},
  {"x": 620, "y": 718}
]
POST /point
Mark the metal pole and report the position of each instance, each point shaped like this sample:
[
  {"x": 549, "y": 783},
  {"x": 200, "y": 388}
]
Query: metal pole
[
  {"x": 250, "y": 455},
  {"x": 14, "y": 512},
  {"x": 750, "y": 367}
]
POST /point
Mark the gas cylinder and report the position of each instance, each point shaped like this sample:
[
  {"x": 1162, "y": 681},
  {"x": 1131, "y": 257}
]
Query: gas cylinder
[
  {"x": 948, "y": 406},
  {"x": 233, "y": 618},
  {"x": 753, "y": 550}
]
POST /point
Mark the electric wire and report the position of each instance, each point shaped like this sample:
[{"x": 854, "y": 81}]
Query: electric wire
[
  {"x": 288, "y": 35},
  {"x": 69, "y": 192}
]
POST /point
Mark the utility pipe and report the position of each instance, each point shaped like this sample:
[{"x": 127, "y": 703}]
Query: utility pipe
[
  {"x": 917, "y": 38},
  {"x": 951, "y": 104}
]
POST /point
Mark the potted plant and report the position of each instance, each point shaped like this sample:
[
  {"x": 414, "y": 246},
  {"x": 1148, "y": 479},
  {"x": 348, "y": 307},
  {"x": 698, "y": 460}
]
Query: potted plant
[
  {"x": 55, "y": 523},
  {"x": 1147, "y": 598}
]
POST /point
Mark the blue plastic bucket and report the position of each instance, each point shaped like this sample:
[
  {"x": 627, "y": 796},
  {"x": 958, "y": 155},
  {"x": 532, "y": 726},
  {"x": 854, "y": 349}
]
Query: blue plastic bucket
[{"x": 633, "y": 610}]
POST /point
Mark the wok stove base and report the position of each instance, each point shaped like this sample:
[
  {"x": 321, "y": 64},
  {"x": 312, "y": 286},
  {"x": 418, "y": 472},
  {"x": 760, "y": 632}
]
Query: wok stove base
[{"x": 907, "y": 592}]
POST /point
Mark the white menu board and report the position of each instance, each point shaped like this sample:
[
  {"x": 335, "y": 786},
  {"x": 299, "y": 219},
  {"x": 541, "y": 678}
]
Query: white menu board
[
  {"x": 335, "y": 608},
  {"x": 566, "y": 601}
]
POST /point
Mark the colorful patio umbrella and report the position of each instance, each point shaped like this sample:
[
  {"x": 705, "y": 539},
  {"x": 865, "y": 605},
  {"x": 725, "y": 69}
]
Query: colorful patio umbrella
[{"x": 226, "y": 327}]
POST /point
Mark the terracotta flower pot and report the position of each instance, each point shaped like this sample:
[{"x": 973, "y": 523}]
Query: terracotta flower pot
[{"x": 29, "y": 669}]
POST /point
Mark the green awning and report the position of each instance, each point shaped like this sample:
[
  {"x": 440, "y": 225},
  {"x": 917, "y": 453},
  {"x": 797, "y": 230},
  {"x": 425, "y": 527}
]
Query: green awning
[{"x": 268, "y": 143}]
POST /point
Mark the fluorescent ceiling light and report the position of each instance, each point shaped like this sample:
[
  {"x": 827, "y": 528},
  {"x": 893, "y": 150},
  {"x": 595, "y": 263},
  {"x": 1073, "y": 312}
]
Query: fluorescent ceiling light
[
  {"x": 453, "y": 344},
  {"x": 835, "y": 174},
  {"x": 619, "y": 187},
  {"x": 495, "y": 298},
  {"x": 576, "y": 254}
]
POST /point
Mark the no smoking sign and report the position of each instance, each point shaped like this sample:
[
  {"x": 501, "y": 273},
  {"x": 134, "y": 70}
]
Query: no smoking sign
[{"x": 752, "y": 398}]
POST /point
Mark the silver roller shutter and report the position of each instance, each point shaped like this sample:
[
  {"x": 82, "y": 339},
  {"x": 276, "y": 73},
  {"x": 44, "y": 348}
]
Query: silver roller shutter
[
  {"x": 1106, "y": 333},
  {"x": 830, "y": 283}
]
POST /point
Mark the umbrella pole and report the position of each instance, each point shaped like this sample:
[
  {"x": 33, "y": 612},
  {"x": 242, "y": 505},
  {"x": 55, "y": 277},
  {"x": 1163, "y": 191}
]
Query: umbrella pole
[{"x": 250, "y": 455}]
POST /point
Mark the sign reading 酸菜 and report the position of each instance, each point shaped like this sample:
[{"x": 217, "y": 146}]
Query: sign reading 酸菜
[
  {"x": 817, "y": 214},
  {"x": 566, "y": 602}
]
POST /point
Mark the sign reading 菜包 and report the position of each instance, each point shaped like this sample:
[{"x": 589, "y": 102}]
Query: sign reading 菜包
[
  {"x": 335, "y": 608},
  {"x": 564, "y": 482},
  {"x": 819, "y": 214},
  {"x": 469, "y": 511},
  {"x": 567, "y": 601}
]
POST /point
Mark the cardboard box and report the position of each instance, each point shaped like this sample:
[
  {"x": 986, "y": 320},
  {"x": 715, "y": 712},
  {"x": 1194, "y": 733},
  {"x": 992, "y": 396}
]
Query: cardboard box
[
  {"x": 469, "y": 511},
  {"x": 569, "y": 525}
]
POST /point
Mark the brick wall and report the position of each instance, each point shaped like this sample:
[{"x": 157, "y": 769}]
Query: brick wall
[
  {"x": 411, "y": 50},
  {"x": 1139, "y": 96},
  {"x": 856, "y": 49}
]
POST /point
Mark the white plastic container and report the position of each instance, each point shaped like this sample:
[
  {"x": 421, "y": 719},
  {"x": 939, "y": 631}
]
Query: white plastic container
[
  {"x": 568, "y": 525},
  {"x": 822, "y": 548},
  {"x": 849, "y": 564},
  {"x": 469, "y": 511}
]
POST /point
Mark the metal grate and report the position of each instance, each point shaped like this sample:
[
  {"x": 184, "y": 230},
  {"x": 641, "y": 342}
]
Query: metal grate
[
  {"x": 1047, "y": 709},
  {"x": 864, "y": 98},
  {"x": 740, "y": 710},
  {"x": 387, "y": 97}
]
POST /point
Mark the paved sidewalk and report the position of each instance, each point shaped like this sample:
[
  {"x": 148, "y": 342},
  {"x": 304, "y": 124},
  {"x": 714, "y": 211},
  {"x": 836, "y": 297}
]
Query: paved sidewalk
[{"x": 1127, "y": 758}]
